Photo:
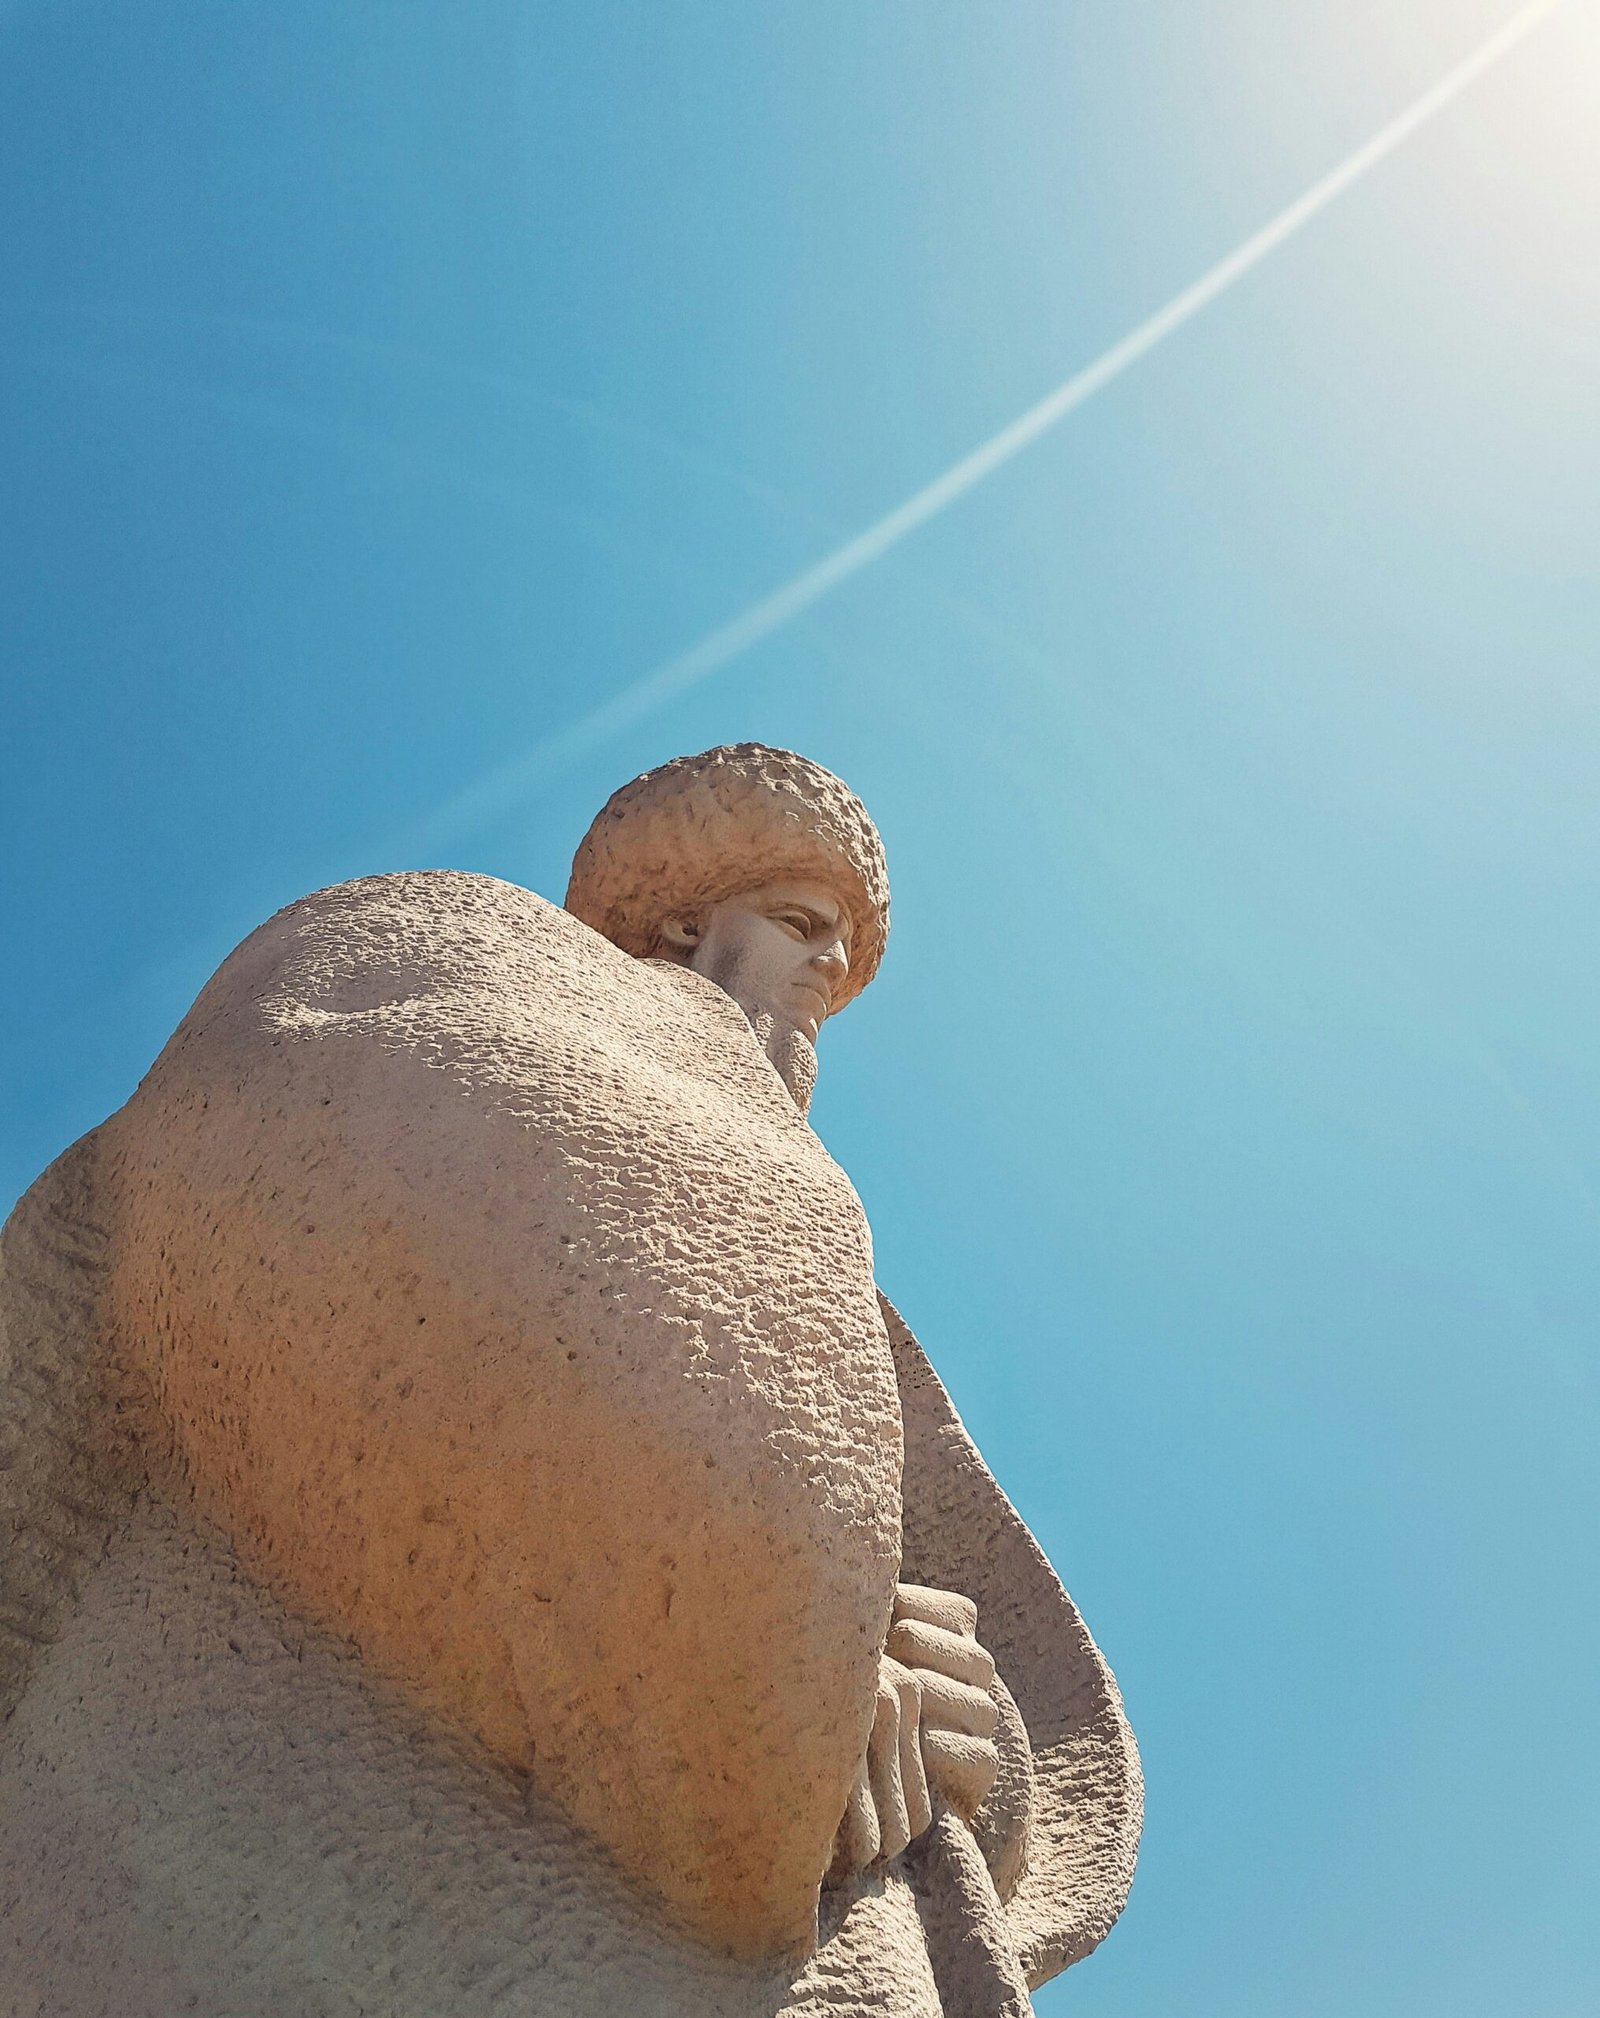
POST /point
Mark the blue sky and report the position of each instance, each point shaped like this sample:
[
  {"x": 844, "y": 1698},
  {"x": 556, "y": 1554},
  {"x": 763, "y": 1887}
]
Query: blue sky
[{"x": 386, "y": 387}]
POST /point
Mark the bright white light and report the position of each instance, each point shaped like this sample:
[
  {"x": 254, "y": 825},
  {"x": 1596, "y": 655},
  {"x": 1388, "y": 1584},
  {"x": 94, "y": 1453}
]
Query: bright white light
[{"x": 507, "y": 786}]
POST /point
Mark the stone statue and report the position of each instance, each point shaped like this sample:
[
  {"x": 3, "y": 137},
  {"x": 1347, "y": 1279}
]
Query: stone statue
[{"x": 475, "y": 1538}]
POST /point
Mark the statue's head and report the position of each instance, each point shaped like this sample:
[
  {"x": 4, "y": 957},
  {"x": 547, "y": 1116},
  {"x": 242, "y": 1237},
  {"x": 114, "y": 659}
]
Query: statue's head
[{"x": 755, "y": 867}]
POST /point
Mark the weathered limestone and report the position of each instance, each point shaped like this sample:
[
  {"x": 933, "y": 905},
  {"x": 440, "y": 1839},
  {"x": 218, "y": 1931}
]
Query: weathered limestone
[
  {"x": 595, "y": 1449},
  {"x": 475, "y": 1538}
]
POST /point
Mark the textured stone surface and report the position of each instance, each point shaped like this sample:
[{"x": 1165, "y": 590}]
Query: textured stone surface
[
  {"x": 210, "y": 1807},
  {"x": 516, "y": 1646},
  {"x": 513, "y": 1324},
  {"x": 706, "y": 827}
]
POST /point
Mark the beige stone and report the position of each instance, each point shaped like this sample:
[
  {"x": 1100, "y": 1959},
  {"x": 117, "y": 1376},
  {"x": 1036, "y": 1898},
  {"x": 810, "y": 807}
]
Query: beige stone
[
  {"x": 698, "y": 830},
  {"x": 513, "y": 1324},
  {"x": 477, "y": 1538}
]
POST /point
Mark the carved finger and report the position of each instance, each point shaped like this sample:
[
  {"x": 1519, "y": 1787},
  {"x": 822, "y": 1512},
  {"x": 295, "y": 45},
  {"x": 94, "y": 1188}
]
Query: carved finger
[
  {"x": 948, "y": 1610},
  {"x": 922, "y": 1646},
  {"x": 883, "y": 1771},
  {"x": 953, "y": 1706},
  {"x": 856, "y": 1842},
  {"x": 913, "y": 1779},
  {"x": 962, "y": 1769}
]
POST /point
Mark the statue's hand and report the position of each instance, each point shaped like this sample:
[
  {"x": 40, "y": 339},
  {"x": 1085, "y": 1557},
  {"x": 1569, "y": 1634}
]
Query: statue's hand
[
  {"x": 934, "y": 1635},
  {"x": 932, "y": 1729}
]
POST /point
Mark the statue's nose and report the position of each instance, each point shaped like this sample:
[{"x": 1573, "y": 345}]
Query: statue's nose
[{"x": 833, "y": 962}]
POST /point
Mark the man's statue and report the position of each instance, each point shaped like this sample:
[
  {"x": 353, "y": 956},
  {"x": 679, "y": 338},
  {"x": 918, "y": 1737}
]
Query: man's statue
[{"x": 475, "y": 1540}]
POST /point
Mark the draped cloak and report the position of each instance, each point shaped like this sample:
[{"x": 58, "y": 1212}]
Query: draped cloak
[{"x": 233, "y": 1757}]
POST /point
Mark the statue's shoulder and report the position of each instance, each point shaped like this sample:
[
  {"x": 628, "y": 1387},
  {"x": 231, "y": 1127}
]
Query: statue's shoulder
[
  {"x": 442, "y": 927},
  {"x": 515, "y": 1324},
  {"x": 454, "y": 952}
]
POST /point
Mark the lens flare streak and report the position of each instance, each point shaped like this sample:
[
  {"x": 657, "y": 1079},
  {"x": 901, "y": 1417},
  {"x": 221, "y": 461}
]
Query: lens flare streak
[{"x": 503, "y": 788}]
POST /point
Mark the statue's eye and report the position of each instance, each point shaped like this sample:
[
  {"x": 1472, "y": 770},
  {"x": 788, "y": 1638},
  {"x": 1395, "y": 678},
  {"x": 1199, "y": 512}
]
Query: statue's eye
[{"x": 796, "y": 921}]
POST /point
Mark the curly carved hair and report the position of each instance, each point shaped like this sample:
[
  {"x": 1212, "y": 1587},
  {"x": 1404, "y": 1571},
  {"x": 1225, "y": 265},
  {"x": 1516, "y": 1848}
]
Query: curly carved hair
[{"x": 700, "y": 829}]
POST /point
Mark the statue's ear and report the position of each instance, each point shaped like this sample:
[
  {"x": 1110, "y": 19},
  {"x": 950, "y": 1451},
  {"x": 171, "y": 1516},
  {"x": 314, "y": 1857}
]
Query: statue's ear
[{"x": 681, "y": 932}]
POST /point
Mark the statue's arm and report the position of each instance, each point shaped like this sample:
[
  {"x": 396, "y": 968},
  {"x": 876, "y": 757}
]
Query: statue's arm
[{"x": 1056, "y": 1698}]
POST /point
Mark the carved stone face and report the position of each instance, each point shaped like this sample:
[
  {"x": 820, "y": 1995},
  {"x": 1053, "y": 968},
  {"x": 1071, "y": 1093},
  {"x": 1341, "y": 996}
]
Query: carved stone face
[{"x": 782, "y": 951}]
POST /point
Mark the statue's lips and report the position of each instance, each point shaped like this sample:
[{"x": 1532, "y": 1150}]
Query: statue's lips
[{"x": 514, "y": 1325}]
